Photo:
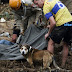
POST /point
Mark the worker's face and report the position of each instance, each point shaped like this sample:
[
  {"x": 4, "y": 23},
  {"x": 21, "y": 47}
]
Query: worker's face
[{"x": 39, "y": 3}]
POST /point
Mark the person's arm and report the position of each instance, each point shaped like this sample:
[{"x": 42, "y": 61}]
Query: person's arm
[{"x": 52, "y": 25}]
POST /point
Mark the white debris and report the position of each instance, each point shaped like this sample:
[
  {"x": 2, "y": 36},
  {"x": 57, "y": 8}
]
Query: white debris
[
  {"x": 2, "y": 20},
  {"x": 5, "y": 34}
]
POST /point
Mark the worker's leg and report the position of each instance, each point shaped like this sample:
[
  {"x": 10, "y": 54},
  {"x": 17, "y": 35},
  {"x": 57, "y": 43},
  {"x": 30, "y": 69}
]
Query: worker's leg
[
  {"x": 50, "y": 46},
  {"x": 18, "y": 19},
  {"x": 64, "y": 54}
]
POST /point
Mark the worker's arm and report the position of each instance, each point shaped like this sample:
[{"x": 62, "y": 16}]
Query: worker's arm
[{"x": 52, "y": 25}]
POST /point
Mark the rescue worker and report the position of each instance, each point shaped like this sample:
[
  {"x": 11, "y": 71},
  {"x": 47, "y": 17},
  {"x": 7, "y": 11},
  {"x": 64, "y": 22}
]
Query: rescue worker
[
  {"x": 60, "y": 25},
  {"x": 25, "y": 13}
]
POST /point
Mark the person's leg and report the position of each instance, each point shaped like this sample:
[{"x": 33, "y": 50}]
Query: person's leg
[
  {"x": 64, "y": 54},
  {"x": 50, "y": 46},
  {"x": 2, "y": 41}
]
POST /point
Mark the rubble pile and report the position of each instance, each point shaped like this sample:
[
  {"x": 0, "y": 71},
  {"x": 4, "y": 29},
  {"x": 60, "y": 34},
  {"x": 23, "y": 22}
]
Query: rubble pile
[
  {"x": 5, "y": 12},
  {"x": 6, "y": 21}
]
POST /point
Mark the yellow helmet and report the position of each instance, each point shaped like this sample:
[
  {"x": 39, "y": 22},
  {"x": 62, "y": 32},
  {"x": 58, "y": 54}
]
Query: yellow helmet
[{"x": 15, "y": 4}]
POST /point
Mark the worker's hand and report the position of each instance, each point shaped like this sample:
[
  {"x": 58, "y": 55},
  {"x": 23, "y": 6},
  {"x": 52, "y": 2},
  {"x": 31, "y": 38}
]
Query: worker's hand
[
  {"x": 46, "y": 35},
  {"x": 34, "y": 5},
  {"x": 48, "y": 26},
  {"x": 22, "y": 33}
]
